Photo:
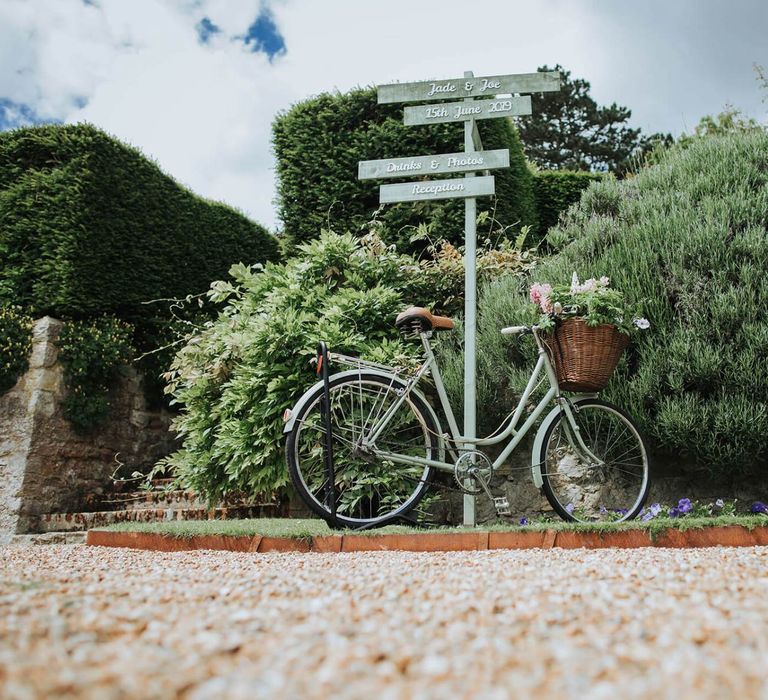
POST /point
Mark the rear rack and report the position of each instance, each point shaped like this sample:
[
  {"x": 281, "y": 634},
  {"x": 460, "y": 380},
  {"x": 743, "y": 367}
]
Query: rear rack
[{"x": 359, "y": 363}]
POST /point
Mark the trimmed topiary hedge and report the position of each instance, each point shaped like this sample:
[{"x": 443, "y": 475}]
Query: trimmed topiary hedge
[
  {"x": 88, "y": 225},
  {"x": 319, "y": 142},
  {"x": 89, "y": 228},
  {"x": 556, "y": 190}
]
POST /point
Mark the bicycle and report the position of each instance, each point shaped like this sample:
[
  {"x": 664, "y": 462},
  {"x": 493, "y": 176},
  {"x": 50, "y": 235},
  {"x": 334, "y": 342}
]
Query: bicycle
[{"x": 386, "y": 442}]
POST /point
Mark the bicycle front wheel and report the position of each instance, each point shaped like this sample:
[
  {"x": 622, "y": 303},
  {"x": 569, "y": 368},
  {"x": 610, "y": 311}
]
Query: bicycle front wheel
[
  {"x": 367, "y": 489},
  {"x": 601, "y": 474}
]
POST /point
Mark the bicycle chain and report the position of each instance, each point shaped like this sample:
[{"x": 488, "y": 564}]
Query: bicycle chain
[{"x": 445, "y": 487}]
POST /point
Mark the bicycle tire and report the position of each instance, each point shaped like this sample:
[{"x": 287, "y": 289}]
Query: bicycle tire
[
  {"x": 581, "y": 491},
  {"x": 304, "y": 456}
]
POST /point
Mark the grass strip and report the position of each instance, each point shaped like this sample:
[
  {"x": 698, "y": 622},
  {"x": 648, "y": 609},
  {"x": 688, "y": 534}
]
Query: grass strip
[{"x": 307, "y": 528}]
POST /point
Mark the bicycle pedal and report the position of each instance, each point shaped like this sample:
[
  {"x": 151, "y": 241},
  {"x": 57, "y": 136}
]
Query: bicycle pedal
[{"x": 502, "y": 506}]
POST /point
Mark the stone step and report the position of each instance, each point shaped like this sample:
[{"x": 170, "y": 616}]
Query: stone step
[
  {"x": 162, "y": 498},
  {"x": 49, "y": 538},
  {"x": 139, "y": 500},
  {"x": 127, "y": 485},
  {"x": 71, "y": 522}
]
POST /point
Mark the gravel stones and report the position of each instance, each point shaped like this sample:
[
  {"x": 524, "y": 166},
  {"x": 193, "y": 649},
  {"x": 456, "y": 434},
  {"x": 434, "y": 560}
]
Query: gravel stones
[{"x": 92, "y": 622}]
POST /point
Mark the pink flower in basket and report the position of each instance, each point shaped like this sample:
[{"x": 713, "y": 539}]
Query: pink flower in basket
[{"x": 540, "y": 295}]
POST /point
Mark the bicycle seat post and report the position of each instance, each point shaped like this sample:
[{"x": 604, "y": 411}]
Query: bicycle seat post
[{"x": 425, "y": 336}]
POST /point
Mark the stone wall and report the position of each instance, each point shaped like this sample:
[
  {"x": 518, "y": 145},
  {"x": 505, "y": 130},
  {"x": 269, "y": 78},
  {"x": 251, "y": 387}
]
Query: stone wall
[
  {"x": 671, "y": 479},
  {"x": 47, "y": 467}
]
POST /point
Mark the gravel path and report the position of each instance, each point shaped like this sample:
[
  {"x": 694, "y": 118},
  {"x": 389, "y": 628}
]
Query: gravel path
[{"x": 111, "y": 623}]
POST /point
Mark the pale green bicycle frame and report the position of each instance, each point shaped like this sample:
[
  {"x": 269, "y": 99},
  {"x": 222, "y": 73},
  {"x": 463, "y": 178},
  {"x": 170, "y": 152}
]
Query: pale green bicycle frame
[{"x": 430, "y": 365}]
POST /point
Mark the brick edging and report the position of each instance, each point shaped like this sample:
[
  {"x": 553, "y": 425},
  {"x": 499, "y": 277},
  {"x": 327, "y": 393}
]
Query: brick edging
[{"x": 728, "y": 535}]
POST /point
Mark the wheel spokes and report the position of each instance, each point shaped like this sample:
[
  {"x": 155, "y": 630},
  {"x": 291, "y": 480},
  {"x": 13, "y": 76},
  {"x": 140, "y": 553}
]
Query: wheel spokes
[
  {"x": 365, "y": 487},
  {"x": 607, "y": 480}
]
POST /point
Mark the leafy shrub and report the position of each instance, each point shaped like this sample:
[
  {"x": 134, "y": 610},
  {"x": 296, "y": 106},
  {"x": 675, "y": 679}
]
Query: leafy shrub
[
  {"x": 91, "y": 352},
  {"x": 236, "y": 377},
  {"x": 15, "y": 344},
  {"x": 687, "y": 237},
  {"x": 556, "y": 190},
  {"x": 319, "y": 142}
]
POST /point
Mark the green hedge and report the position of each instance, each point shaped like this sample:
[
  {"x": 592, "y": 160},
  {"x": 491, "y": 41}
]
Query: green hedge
[
  {"x": 687, "y": 238},
  {"x": 88, "y": 225},
  {"x": 91, "y": 353},
  {"x": 556, "y": 190},
  {"x": 319, "y": 142},
  {"x": 15, "y": 344}
]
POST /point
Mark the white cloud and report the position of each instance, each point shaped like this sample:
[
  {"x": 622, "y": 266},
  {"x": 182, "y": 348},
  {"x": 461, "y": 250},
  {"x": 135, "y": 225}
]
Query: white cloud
[{"x": 204, "y": 112}]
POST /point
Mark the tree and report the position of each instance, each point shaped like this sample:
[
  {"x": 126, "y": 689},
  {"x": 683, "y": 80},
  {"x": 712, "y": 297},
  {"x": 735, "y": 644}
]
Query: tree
[
  {"x": 762, "y": 78},
  {"x": 730, "y": 120},
  {"x": 569, "y": 130}
]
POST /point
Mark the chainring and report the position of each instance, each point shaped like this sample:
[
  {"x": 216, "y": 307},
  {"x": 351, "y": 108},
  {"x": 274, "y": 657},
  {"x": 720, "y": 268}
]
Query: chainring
[{"x": 466, "y": 481}]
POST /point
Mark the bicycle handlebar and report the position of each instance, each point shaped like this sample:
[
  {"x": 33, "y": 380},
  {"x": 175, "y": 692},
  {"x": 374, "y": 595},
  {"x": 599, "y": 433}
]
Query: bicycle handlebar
[{"x": 515, "y": 330}]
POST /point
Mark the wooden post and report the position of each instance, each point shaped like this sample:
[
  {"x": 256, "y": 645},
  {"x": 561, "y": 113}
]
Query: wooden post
[{"x": 470, "y": 313}]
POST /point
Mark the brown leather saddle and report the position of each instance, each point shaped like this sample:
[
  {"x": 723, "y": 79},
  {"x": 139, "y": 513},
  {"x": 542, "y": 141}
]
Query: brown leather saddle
[{"x": 423, "y": 319}]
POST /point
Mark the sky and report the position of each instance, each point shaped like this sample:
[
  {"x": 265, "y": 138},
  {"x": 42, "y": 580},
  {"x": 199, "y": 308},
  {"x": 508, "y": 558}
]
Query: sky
[{"x": 196, "y": 84}]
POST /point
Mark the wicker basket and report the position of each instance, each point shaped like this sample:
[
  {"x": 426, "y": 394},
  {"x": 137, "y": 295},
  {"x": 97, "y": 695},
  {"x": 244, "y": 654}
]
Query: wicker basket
[{"x": 585, "y": 357}]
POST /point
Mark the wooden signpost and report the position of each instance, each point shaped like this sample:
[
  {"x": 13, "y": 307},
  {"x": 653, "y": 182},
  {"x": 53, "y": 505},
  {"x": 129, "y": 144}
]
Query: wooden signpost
[
  {"x": 468, "y": 86},
  {"x": 503, "y": 102},
  {"x": 432, "y": 165},
  {"x": 459, "y": 111},
  {"x": 437, "y": 189}
]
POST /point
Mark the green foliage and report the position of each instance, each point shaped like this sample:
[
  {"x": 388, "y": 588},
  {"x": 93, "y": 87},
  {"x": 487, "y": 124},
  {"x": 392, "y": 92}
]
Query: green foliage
[
  {"x": 15, "y": 344},
  {"x": 762, "y": 78},
  {"x": 556, "y": 190},
  {"x": 236, "y": 377},
  {"x": 686, "y": 237},
  {"x": 91, "y": 353},
  {"x": 89, "y": 226},
  {"x": 728, "y": 121},
  {"x": 569, "y": 130},
  {"x": 319, "y": 142}
]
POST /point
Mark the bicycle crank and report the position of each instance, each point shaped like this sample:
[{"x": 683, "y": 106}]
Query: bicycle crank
[{"x": 473, "y": 472}]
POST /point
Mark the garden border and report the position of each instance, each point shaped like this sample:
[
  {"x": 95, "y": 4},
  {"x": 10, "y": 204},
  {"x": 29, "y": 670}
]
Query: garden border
[{"x": 727, "y": 536}]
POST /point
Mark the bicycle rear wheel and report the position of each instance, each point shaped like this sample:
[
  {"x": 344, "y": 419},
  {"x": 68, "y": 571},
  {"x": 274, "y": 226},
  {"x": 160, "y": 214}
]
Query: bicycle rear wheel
[
  {"x": 609, "y": 480},
  {"x": 368, "y": 490}
]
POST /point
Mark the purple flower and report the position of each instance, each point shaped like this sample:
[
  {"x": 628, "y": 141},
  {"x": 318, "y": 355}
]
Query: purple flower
[
  {"x": 524, "y": 521},
  {"x": 759, "y": 507},
  {"x": 674, "y": 512},
  {"x": 621, "y": 511},
  {"x": 651, "y": 512},
  {"x": 569, "y": 508},
  {"x": 684, "y": 506},
  {"x": 719, "y": 503}
]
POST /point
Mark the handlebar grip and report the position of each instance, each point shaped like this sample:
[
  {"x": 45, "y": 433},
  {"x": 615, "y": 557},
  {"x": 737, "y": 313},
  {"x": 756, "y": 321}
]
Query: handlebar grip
[{"x": 515, "y": 330}]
